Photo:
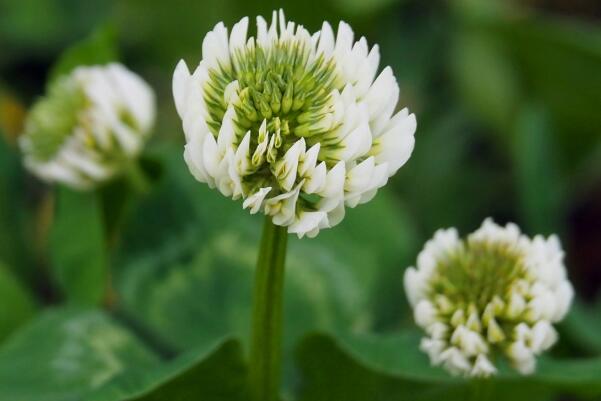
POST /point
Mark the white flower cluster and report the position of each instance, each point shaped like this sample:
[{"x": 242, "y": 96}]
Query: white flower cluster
[
  {"x": 496, "y": 293},
  {"x": 298, "y": 125},
  {"x": 89, "y": 124}
]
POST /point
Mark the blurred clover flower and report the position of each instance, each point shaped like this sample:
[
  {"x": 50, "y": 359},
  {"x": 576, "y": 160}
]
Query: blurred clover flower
[
  {"x": 498, "y": 292},
  {"x": 296, "y": 124},
  {"x": 90, "y": 124}
]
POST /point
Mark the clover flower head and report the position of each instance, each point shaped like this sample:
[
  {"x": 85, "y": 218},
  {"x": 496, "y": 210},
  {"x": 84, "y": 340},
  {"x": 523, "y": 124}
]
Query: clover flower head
[
  {"x": 89, "y": 124},
  {"x": 296, "y": 124},
  {"x": 496, "y": 293}
]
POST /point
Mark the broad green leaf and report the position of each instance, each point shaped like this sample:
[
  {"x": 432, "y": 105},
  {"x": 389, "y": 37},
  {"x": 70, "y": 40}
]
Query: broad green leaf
[
  {"x": 65, "y": 354},
  {"x": 392, "y": 368},
  {"x": 71, "y": 354},
  {"x": 383, "y": 227},
  {"x": 582, "y": 327},
  {"x": 376, "y": 241},
  {"x": 215, "y": 374},
  {"x": 78, "y": 248},
  {"x": 17, "y": 304},
  {"x": 176, "y": 205},
  {"x": 99, "y": 48},
  {"x": 191, "y": 296},
  {"x": 329, "y": 373}
]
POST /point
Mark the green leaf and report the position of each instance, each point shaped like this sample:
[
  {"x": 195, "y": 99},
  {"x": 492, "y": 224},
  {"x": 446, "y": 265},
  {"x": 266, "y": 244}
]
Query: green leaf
[
  {"x": 485, "y": 77},
  {"x": 330, "y": 373},
  {"x": 65, "y": 354},
  {"x": 99, "y": 48},
  {"x": 71, "y": 354},
  {"x": 536, "y": 171},
  {"x": 214, "y": 374},
  {"x": 12, "y": 210},
  {"x": 357, "y": 368},
  {"x": 77, "y": 246},
  {"x": 582, "y": 327},
  {"x": 192, "y": 296},
  {"x": 17, "y": 305},
  {"x": 177, "y": 204}
]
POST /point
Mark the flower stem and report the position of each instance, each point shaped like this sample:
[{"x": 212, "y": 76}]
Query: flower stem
[
  {"x": 137, "y": 177},
  {"x": 265, "y": 347}
]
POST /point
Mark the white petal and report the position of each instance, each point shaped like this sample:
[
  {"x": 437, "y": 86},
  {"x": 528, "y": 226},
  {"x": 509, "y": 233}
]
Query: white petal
[
  {"x": 180, "y": 86},
  {"x": 483, "y": 367},
  {"x": 243, "y": 155},
  {"x": 306, "y": 222},
  {"x": 86, "y": 164},
  {"x": 326, "y": 40},
  {"x": 564, "y": 296},
  {"x": 287, "y": 168},
  {"x": 415, "y": 285},
  {"x": 317, "y": 180},
  {"x": 210, "y": 156},
  {"x": 334, "y": 182},
  {"x": 424, "y": 313},
  {"x": 193, "y": 157},
  {"x": 256, "y": 200},
  {"x": 238, "y": 35},
  {"x": 396, "y": 144},
  {"x": 309, "y": 160},
  {"x": 135, "y": 93},
  {"x": 359, "y": 177},
  {"x": 383, "y": 91}
]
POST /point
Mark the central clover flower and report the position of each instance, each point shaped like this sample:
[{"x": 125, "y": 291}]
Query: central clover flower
[{"x": 296, "y": 124}]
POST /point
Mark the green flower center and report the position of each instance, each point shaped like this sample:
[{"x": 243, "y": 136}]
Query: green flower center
[
  {"x": 477, "y": 272},
  {"x": 286, "y": 87},
  {"x": 54, "y": 117}
]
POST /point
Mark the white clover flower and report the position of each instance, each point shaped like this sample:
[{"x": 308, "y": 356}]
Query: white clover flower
[
  {"x": 90, "y": 123},
  {"x": 298, "y": 125},
  {"x": 496, "y": 293}
]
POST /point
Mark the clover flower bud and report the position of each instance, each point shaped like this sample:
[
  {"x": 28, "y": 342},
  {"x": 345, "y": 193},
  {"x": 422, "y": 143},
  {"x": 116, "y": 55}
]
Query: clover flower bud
[
  {"x": 88, "y": 126},
  {"x": 495, "y": 294}
]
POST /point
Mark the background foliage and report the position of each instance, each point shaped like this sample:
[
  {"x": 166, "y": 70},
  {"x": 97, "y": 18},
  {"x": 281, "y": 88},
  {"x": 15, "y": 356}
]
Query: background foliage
[{"x": 129, "y": 295}]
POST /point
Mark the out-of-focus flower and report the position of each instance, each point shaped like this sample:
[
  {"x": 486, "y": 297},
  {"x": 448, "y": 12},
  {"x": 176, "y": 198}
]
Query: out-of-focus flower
[
  {"x": 496, "y": 293},
  {"x": 298, "y": 125},
  {"x": 88, "y": 126}
]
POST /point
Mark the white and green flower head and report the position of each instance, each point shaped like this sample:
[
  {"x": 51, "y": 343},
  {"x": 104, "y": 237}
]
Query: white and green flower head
[
  {"x": 89, "y": 124},
  {"x": 297, "y": 124},
  {"x": 495, "y": 294}
]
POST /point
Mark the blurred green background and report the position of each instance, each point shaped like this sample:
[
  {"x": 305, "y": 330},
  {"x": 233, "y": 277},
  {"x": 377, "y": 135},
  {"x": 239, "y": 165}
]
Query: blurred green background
[{"x": 507, "y": 96}]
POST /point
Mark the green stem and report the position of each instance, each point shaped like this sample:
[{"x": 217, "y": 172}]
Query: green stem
[
  {"x": 137, "y": 177},
  {"x": 265, "y": 348}
]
